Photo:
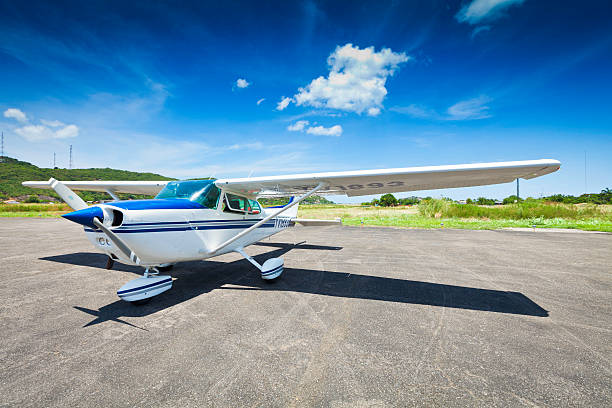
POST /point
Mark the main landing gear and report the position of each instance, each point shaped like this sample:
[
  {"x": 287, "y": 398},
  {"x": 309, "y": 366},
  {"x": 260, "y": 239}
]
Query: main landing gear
[{"x": 271, "y": 268}]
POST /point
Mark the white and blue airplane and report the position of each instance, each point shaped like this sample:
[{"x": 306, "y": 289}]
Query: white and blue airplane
[{"x": 199, "y": 219}]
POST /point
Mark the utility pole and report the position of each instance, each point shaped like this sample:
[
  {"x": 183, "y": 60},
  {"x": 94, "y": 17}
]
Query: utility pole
[
  {"x": 70, "y": 163},
  {"x": 518, "y": 197},
  {"x": 2, "y": 149},
  {"x": 585, "y": 174},
  {"x": 54, "y": 166}
]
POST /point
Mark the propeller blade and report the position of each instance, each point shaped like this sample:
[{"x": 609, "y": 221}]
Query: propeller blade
[
  {"x": 117, "y": 241},
  {"x": 69, "y": 196}
]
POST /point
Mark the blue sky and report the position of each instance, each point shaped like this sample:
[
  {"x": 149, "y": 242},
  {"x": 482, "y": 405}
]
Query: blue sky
[{"x": 206, "y": 88}]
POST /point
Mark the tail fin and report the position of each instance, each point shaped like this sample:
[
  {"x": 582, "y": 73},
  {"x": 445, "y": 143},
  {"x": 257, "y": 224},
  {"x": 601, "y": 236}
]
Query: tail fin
[{"x": 292, "y": 212}]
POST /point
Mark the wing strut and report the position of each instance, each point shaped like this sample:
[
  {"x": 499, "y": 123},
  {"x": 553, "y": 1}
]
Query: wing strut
[{"x": 251, "y": 228}]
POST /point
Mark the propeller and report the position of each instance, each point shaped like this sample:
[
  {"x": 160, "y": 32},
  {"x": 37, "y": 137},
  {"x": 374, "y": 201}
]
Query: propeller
[{"x": 117, "y": 241}]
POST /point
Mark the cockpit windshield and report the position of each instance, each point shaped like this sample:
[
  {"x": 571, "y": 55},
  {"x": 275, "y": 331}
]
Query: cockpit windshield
[{"x": 202, "y": 191}]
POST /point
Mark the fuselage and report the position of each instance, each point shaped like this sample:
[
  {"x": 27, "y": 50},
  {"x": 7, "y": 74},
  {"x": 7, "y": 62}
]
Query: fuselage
[
  {"x": 169, "y": 235},
  {"x": 186, "y": 221}
]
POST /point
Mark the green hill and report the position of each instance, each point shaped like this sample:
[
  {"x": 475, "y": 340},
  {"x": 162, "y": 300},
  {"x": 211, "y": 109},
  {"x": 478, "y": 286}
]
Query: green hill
[{"x": 13, "y": 172}]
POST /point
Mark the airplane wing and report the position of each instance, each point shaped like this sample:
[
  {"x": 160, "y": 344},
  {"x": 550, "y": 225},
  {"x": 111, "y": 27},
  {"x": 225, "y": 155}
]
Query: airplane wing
[
  {"x": 366, "y": 182},
  {"x": 130, "y": 187}
]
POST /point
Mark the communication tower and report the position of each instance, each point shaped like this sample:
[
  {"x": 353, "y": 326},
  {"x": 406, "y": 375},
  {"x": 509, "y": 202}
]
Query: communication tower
[{"x": 70, "y": 164}]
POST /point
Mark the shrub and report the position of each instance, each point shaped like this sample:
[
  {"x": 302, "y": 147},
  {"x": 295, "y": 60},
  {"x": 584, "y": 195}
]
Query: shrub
[
  {"x": 485, "y": 201},
  {"x": 524, "y": 210}
]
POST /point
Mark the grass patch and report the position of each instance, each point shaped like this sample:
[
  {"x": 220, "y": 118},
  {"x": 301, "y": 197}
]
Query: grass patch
[
  {"x": 33, "y": 208},
  {"x": 445, "y": 214}
]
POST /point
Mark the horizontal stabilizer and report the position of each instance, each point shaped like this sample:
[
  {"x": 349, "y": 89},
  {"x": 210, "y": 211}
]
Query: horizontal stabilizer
[
  {"x": 128, "y": 187},
  {"x": 317, "y": 223}
]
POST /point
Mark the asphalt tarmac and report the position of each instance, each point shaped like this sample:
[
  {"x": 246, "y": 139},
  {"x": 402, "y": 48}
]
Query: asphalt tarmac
[{"x": 362, "y": 317}]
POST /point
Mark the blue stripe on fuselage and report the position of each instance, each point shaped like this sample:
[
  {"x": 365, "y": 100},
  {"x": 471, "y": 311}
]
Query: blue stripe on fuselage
[
  {"x": 157, "y": 204},
  {"x": 183, "y": 227}
]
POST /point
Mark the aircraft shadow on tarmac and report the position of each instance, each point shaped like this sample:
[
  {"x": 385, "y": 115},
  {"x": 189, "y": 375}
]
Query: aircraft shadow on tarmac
[{"x": 196, "y": 278}]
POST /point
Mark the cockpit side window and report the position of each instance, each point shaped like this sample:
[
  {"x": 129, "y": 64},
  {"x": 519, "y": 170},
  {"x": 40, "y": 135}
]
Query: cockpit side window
[
  {"x": 235, "y": 203},
  {"x": 241, "y": 204}
]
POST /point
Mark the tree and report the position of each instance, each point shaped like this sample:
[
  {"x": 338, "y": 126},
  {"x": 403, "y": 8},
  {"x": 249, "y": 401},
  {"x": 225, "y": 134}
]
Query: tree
[
  {"x": 469, "y": 201},
  {"x": 512, "y": 199},
  {"x": 388, "y": 200}
]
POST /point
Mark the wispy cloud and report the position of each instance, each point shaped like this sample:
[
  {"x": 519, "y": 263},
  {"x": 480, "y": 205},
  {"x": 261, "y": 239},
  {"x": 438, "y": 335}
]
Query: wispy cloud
[
  {"x": 484, "y": 10},
  {"x": 52, "y": 123},
  {"x": 356, "y": 80},
  {"x": 470, "y": 109},
  {"x": 260, "y": 101},
  {"x": 335, "y": 130},
  {"x": 284, "y": 102},
  {"x": 480, "y": 29}
]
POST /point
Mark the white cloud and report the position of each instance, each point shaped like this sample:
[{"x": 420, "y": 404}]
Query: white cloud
[
  {"x": 356, "y": 80},
  {"x": 283, "y": 103},
  {"x": 48, "y": 129},
  {"x": 16, "y": 114},
  {"x": 242, "y": 83},
  {"x": 260, "y": 101},
  {"x": 66, "y": 132},
  {"x": 480, "y": 10},
  {"x": 52, "y": 123},
  {"x": 298, "y": 126},
  {"x": 35, "y": 133},
  {"x": 335, "y": 130},
  {"x": 470, "y": 109}
]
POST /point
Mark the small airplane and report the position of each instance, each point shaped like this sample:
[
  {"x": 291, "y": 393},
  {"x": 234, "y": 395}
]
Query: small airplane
[{"x": 199, "y": 219}]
